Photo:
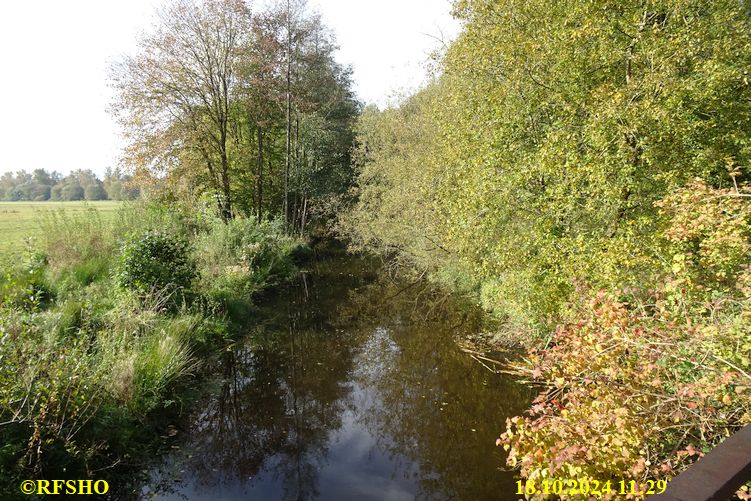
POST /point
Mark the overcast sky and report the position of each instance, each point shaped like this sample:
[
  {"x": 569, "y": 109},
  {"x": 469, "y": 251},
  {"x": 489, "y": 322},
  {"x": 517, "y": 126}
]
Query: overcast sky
[{"x": 54, "y": 57}]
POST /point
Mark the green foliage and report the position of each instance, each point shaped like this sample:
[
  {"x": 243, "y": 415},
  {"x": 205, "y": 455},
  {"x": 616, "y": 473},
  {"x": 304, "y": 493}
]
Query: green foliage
[
  {"x": 48, "y": 393},
  {"x": 634, "y": 390},
  {"x": 80, "y": 357},
  {"x": 41, "y": 186},
  {"x": 708, "y": 239},
  {"x": 24, "y": 286},
  {"x": 535, "y": 159},
  {"x": 241, "y": 256},
  {"x": 91, "y": 270},
  {"x": 155, "y": 261},
  {"x": 143, "y": 368},
  {"x": 227, "y": 143},
  {"x": 585, "y": 146},
  {"x": 70, "y": 318}
]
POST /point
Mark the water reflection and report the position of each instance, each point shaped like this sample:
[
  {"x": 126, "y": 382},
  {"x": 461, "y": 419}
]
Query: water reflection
[{"x": 351, "y": 388}]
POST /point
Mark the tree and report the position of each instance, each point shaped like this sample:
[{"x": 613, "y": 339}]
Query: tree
[
  {"x": 259, "y": 90},
  {"x": 72, "y": 191},
  {"x": 175, "y": 94},
  {"x": 219, "y": 101},
  {"x": 548, "y": 138},
  {"x": 95, "y": 191},
  {"x": 319, "y": 110},
  {"x": 43, "y": 177}
]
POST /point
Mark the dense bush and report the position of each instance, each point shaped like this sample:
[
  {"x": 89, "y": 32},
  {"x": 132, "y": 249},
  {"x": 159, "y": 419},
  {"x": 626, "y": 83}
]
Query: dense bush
[
  {"x": 242, "y": 255},
  {"x": 154, "y": 261},
  {"x": 631, "y": 393},
  {"x": 24, "y": 286},
  {"x": 637, "y": 384},
  {"x": 48, "y": 392},
  {"x": 534, "y": 160}
]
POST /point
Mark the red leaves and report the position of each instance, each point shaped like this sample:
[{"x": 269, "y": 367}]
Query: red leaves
[
  {"x": 628, "y": 382},
  {"x": 694, "y": 452},
  {"x": 639, "y": 467}
]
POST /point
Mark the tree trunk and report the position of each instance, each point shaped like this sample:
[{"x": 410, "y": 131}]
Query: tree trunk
[
  {"x": 260, "y": 173},
  {"x": 227, "y": 209},
  {"x": 297, "y": 201},
  {"x": 304, "y": 216},
  {"x": 215, "y": 181},
  {"x": 289, "y": 117}
]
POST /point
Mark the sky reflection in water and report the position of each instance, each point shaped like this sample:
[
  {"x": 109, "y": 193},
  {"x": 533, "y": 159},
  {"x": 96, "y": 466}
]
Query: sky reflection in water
[{"x": 351, "y": 388}]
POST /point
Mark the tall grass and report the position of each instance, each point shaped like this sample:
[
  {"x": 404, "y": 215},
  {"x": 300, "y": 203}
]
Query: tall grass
[
  {"x": 241, "y": 257},
  {"x": 142, "y": 368}
]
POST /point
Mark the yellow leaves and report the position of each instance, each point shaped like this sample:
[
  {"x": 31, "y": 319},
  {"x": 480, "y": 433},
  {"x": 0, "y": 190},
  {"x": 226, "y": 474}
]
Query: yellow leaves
[
  {"x": 629, "y": 377},
  {"x": 679, "y": 263},
  {"x": 540, "y": 194}
]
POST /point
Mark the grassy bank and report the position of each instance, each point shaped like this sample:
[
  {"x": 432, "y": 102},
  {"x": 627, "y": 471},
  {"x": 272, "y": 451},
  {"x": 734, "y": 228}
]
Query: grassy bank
[
  {"x": 19, "y": 220},
  {"x": 104, "y": 324}
]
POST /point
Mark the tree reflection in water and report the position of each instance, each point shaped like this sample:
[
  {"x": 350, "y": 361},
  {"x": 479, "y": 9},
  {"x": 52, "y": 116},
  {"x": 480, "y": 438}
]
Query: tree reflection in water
[{"x": 351, "y": 387}]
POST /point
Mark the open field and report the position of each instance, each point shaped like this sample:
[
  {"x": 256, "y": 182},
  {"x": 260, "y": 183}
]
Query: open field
[{"x": 20, "y": 220}]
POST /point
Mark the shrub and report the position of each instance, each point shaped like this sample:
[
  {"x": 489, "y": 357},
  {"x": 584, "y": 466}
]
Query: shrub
[
  {"x": 635, "y": 389},
  {"x": 48, "y": 392},
  {"x": 631, "y": 394},
  {"x": 24, "y": 286},
  {"x": 301, "y": 254},
  {"x": 155, "y": 261},
  {"x": 73, "y": 361},
  {"x": 242, "y": 256}
]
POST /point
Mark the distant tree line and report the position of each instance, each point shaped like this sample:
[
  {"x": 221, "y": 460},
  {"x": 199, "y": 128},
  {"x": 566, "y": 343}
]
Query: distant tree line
[{"x": 41, "y": 185}]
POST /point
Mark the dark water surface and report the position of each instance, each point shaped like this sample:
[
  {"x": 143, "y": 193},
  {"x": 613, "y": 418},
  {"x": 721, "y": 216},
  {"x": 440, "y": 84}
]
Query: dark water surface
[{"x": 351, "y": 387}]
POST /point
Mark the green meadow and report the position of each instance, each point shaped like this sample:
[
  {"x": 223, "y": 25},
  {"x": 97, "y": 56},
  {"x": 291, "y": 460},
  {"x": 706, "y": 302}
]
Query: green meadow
[{"x": 19, "y": 221}]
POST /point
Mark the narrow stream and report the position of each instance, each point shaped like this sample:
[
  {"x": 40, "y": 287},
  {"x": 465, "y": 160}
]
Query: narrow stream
[{"x": 350, "y": 387}]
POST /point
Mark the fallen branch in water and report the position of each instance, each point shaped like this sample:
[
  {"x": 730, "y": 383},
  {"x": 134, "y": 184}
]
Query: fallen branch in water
[
  {"x": 481, "y": 359},
  {"x": 494, "y": 371}
]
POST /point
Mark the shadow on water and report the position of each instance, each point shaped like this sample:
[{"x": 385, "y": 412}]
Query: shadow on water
[{"x": 351, "y": 386}]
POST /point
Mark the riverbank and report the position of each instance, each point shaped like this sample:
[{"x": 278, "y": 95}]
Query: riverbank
[
  {"x": 106, "y": 324},
  {"x": 348, "y": 384},
  {"x": 577, "y": 174}
]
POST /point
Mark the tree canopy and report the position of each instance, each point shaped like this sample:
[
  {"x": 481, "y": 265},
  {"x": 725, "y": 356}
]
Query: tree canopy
[
  {"x": 248, "y": 108},
  {"x": 582, "y": 169},
  {"x": 535, "y": 159}
]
